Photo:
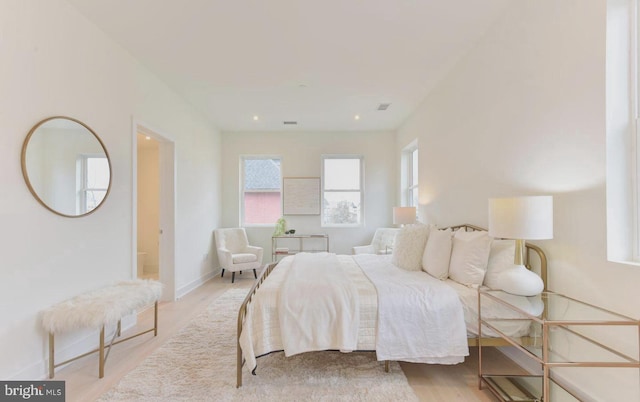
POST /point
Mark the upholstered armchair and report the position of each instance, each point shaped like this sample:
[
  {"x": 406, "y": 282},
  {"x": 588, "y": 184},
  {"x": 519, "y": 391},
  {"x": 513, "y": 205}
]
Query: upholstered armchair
[
  {"x": 382, "y": 242},
  {"x": 234, "y": 252}
]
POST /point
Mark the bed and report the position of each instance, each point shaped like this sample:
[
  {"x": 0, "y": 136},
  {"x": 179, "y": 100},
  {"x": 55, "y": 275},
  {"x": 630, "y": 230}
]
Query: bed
[{"x": 259, "y": 317}]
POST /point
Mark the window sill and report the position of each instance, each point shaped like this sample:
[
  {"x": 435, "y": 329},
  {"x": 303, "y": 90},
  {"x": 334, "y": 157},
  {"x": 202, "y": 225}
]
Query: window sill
[{"x": 630, "y": 263}]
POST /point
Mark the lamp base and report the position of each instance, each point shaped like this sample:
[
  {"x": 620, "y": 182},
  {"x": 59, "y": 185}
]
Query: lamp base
[{"x": 518, "y": 280}]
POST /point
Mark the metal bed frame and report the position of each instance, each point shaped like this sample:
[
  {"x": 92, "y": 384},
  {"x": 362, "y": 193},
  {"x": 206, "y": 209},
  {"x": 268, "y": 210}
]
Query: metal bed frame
[{"x": 530, "y": 249}]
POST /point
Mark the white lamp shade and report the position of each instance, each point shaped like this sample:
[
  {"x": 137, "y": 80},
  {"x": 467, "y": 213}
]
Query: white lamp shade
[
  {"x": 525, "y": 218},
  {"x": 404, "y": 215}
]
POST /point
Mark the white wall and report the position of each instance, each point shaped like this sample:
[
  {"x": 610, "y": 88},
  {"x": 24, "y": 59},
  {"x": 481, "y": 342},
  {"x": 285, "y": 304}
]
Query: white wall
[
  {"x": 301, "y": 157},
  {"x": 524, "y": 113},
  {"x": 55, "y": 62}
]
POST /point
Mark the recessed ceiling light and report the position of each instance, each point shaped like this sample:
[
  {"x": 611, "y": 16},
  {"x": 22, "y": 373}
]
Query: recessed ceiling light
[
  {"x": 255, "y": 117},
  {"x": 147, "y": 138},
  {"x": 356, "y": 117}
]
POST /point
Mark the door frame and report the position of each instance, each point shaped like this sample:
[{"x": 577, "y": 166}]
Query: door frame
[{"x": 167, "y": 207}]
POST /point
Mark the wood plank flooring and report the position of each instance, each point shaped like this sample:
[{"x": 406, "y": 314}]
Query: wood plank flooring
[{"x": 429, "y": 382}]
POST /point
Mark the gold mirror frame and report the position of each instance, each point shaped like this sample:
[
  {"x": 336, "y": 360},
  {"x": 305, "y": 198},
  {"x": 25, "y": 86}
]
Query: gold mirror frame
[{"x": 25, "y": 173}]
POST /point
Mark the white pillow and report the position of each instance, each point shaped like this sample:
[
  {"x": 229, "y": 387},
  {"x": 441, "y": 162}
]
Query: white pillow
[
  {"x": 518, "y": 280},
  {"x": 500, "y": 259},
  {"x": 469, "y": 257},
  {"x": 409, "y": 247},
  {"x": 437, "y": 253}
]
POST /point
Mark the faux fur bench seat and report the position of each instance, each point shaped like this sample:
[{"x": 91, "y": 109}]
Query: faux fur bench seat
[{"x": 98, "y": 309}]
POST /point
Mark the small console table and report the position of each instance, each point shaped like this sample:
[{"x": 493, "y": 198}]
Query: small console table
[{"x": 296, "y": 243}]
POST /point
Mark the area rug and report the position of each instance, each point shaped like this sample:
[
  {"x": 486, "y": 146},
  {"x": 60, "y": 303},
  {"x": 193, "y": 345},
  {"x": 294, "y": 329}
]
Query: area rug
[{"x": 199, "y": 364}]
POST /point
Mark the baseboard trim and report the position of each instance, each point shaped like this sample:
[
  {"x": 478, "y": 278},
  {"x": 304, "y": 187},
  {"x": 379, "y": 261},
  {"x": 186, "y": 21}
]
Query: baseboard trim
[{"x": 193, "y": 285}]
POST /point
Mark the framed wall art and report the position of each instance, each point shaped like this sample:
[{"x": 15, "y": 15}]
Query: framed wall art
[{"x": 301, "y": 196}]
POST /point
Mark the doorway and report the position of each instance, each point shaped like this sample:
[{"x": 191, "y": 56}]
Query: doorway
[
  {"x": 148, "y": 204},
  {"x": 153, "y": 208}
]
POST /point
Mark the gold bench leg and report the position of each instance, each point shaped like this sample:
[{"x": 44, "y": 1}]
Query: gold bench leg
[
  {"x": 155, "y": 319},
  {"x": 51, "y": 356},
  {"x": 386, "y": 366},
  {"x": 101, "y": 354}
]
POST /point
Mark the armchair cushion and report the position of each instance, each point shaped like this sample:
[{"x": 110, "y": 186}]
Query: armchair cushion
[
  {"x": 369, "y": 249},
  {"x": 243, "y": 257},
  {"x": 382, "y": 238}
]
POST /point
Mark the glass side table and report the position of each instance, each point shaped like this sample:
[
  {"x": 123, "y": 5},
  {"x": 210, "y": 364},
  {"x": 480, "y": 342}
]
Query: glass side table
[{"x": 566, "y": 333}]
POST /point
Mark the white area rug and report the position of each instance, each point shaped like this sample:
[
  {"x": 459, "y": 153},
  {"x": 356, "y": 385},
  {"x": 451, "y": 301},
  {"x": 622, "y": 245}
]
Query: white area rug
[{"x": 199, "y": 364}]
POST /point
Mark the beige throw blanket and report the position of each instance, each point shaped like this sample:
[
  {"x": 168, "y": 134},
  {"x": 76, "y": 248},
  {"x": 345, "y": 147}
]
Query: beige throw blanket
[{"x": 318, "y": 306}]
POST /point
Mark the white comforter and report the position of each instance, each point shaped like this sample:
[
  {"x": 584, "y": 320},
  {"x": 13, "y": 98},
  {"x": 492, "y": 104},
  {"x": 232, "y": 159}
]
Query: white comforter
[
  {"x": 263, "y": 333},
  {"x": 420, "y": 319},
  {"x": 318, "y": 308}
]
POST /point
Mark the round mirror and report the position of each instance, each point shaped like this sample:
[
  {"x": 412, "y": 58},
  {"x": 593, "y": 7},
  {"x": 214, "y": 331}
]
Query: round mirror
[{"x": 66, "y": 166}]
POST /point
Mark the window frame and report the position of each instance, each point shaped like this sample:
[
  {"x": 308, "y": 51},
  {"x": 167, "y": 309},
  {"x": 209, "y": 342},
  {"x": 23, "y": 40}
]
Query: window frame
[
  {"x": 82, "y": 177},
  {"x": 361, "y": 190},
  {"x": 241, "y": 215},
  {"x": 409, "y": 186},
  {"x": 634, "y": 92},
  {"x": 622, "y": 136}
]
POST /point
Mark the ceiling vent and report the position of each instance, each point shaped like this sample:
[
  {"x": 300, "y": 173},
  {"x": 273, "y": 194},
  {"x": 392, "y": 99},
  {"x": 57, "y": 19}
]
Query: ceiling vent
[
  {"x": 289, "y": 123},
  {"x": 383, "y": 106}
]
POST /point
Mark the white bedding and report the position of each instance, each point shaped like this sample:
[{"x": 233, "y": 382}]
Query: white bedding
[
  {"x": 261, "y": 329},
  {"x": 493, "y": 309},
  {"x": 420, "y": 318},
  {"x": 318, "y": 308}
]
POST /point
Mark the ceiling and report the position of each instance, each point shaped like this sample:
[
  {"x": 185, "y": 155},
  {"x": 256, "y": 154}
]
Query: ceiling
[{"x": 318, "y": 63}]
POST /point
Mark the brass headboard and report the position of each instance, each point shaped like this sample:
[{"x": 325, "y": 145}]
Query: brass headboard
[{"x": 542, "y": 258}]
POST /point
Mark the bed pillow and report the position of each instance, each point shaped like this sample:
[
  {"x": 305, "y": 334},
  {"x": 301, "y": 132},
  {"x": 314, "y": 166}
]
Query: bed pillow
[
  {"x": 469, "y": 257},
  {"x": 500, "y": 259},
  {"x": 503, "y": 274},
  {"x": 437, "y": 253},
  {"x": 409, "y": 247}
]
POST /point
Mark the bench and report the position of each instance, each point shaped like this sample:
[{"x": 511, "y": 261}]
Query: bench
[{"x": 98, "y": 309}]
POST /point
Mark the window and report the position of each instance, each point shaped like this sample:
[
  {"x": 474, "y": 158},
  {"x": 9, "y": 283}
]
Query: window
[
  {"x": 623, "y": 208},
  {"x": 409, "y": 175},
  {"x": 410, "y": 192},
  {"x": 93, "y": 175},
  {"x": 342, "y": 190},
  {"x": 634, "y": 93},
  {"x": 260, "y": 190}
]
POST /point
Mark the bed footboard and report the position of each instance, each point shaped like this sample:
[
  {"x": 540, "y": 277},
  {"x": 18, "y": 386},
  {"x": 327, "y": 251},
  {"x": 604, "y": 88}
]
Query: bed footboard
[{"x": 242, "y": 314}]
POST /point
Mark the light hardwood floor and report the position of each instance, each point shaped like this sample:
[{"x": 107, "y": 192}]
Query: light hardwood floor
[{"x": 429, "y": 382}]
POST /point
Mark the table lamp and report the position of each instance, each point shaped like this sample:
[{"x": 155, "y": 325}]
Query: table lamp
[
  {"x": 520, "y": 219},
  {"x": 404, "y": 215}
]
